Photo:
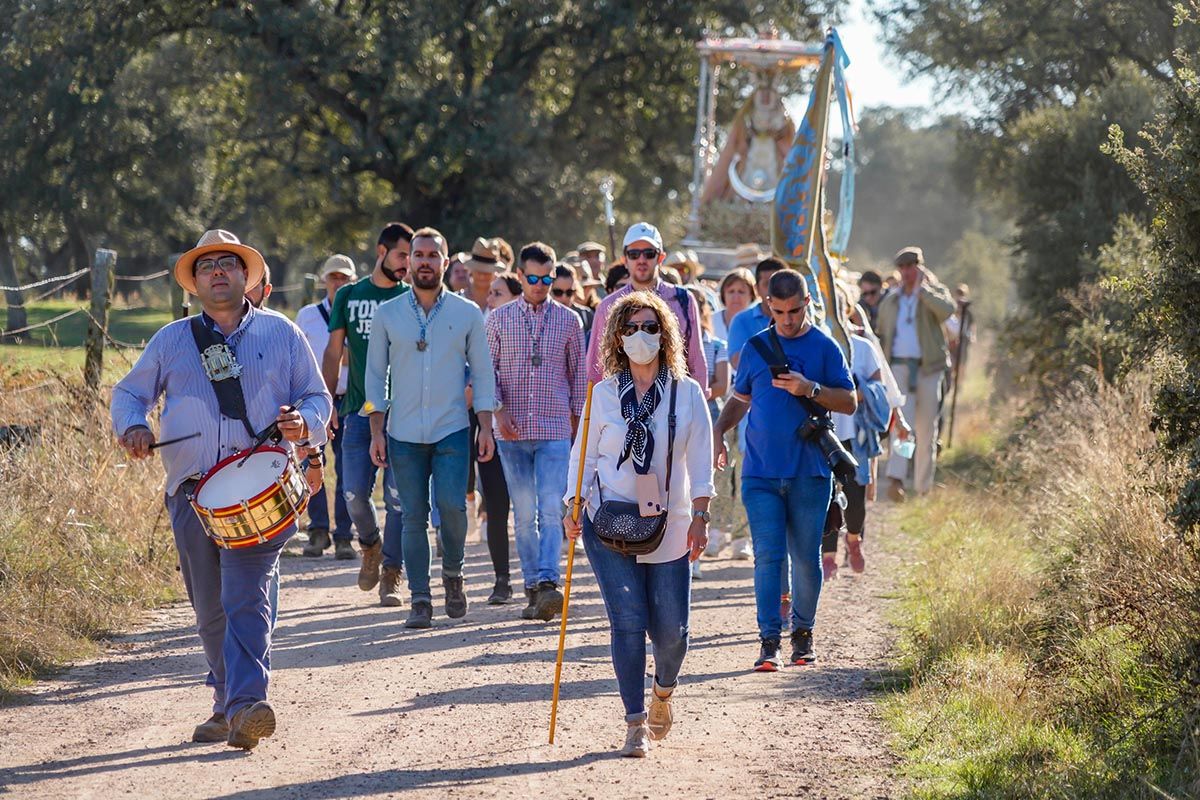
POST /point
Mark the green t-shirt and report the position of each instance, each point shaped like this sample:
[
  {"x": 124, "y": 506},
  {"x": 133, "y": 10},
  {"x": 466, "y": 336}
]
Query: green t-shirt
[{"x": 353, "y": 309}]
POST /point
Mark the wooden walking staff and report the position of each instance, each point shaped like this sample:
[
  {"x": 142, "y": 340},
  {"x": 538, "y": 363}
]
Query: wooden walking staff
[{"x": 576, "y": 510}]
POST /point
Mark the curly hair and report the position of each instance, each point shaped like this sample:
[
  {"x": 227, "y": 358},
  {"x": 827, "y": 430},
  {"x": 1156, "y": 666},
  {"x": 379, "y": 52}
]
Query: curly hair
[{"x": 612, "y": 354}]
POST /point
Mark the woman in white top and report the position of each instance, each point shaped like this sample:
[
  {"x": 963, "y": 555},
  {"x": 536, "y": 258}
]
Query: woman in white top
[
  {"x": 628, "y": 438},
  {"x": 737, "y": 294}
]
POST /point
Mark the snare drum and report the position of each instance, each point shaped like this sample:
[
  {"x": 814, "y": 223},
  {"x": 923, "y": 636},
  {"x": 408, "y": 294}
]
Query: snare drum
[{"x": 244, "y": 504}]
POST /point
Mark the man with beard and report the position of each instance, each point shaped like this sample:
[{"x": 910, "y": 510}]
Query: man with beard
[
  {"x": 425, "y": 342},
  {"x": 350, "y": 328},
  {"x": 643, "y": 250},
  {"x": 257, "y": 295}
]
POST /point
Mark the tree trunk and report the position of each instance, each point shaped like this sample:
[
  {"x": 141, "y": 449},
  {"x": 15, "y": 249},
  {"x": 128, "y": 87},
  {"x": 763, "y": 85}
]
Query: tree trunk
[{"x": 8, "y": 277}]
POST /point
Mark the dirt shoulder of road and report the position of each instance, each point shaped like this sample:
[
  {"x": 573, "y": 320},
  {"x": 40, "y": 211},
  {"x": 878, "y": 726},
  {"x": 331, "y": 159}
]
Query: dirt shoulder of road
[{"x": 367, "y": 708}]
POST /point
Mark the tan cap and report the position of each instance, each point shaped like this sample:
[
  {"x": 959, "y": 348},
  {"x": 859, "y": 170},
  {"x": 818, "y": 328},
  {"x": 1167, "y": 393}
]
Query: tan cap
[
  {"x": 590, "y": 247},
  {"x": 909, "y": 254},
  {"x": 338, "y": 265},
  {"x": 216, "y": 241}
]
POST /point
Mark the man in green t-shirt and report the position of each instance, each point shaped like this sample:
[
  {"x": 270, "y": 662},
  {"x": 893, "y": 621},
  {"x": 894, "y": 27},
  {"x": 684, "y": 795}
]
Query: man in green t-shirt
[{"x": 350, "y": 329}]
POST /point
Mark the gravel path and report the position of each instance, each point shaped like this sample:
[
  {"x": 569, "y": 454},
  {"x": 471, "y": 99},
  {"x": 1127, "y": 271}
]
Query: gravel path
[{"x": 369, "y": 709}]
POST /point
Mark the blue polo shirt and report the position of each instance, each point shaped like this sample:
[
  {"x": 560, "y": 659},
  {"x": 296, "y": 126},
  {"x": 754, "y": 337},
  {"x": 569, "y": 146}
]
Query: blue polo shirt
[
  {"x": 773, "y": 449},
  {"x": 746, "y": 324}
]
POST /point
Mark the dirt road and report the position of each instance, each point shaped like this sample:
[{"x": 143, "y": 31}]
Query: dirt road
[{"x": 369, "y": 709}]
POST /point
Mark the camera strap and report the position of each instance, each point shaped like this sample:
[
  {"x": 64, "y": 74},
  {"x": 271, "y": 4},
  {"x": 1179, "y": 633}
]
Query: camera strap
[{"x": 774, "y": 356}]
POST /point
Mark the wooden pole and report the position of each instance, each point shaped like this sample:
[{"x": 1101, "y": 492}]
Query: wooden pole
[
  {"x": 179, "y": 298},
  {"x": 103, "y": 268},
  {"x": 576, "y": 510}
]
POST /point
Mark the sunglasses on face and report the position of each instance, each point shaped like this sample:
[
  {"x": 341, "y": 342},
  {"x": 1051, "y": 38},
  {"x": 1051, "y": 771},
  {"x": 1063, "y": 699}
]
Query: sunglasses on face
[
  {"x": 869, "y": 292},
  {"x": 630, "y": 328},
  {"x": 534, "y": 280},
  {"x": 562, "y": 292},
  {"x": 207, "y": 266},
  {"x": 649, "y": 254}
]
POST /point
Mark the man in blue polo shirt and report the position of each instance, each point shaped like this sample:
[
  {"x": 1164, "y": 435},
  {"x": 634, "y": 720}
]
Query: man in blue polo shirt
[{"x": 786, "y": 481}]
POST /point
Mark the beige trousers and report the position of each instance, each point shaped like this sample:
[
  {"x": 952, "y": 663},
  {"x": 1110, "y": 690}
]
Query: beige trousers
[{"x": 921, "y": 411}]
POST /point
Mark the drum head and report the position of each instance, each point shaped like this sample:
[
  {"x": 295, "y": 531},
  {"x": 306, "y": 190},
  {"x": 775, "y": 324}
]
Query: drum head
[{"x": 229, "y": 484}]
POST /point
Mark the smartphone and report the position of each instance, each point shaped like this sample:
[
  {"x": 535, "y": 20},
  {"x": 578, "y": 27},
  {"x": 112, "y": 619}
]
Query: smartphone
[{"x": 779, "y": 370}]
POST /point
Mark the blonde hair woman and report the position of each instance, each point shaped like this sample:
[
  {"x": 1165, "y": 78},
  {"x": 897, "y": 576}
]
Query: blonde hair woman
[{"x": 629, "y": 441}]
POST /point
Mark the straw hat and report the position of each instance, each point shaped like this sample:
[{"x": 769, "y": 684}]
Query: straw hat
[
  {"x": 590, "y": 247},
  {"x": 747, "y": 255},
  {"x": 485, "y": 257},
  {"x": 216, "y": 241}
]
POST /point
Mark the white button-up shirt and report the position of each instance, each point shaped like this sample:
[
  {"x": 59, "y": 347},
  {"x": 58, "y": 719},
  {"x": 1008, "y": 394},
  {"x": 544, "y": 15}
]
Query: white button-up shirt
[
  {"x": 691, "y": 477},
  {"x": 312, "y": 323}
]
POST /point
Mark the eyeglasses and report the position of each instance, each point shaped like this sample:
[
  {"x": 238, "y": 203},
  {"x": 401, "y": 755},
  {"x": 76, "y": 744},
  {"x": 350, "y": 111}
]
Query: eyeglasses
[
  {"x": 562, "y": 292},
  {"x": 869, "y": 293},
  {"x": 534, "y": 280},
  {"x": 650, "y": 253},
  {"x": 207, "y": 266},
  {"x": 630, "y": 328}
]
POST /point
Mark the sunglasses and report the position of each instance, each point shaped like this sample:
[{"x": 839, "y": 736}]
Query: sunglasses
[
  {"x": 534, "y": 280},
  {"x": 207, "y": 266},
  {"x": 630, "y": 328},
  {"x": 869, "y": 292},
  {"x": 650, "y": 253},
  {"x": 562, "y": 292}
]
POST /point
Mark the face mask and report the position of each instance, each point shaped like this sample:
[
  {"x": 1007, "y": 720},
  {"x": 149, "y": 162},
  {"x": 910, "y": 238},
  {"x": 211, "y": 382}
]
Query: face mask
[{"x": 642, "y": 347}]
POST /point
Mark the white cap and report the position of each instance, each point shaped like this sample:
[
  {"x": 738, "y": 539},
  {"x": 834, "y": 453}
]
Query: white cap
[{"x": 642, "y": 231}]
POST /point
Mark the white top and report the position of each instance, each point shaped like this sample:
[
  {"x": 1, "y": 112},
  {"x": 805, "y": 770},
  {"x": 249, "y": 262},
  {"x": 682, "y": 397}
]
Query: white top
[
  {"x": 316, "y": 330},
  {"x": 720, "y": 329},
  {"x": 692, "y": 476},
  {"x": 863, "y": 367},
  {"x": 906, "y": 344}
]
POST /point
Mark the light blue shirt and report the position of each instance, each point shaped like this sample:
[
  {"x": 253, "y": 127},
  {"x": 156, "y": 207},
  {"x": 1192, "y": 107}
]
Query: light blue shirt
[
  {"x": 747, "y": 323},
  {"x": 427, "y": 400},
  {"x": 278, "y": 369}
]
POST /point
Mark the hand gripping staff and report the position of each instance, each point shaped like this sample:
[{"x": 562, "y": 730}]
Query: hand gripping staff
[{"x": 576, "y": 506}]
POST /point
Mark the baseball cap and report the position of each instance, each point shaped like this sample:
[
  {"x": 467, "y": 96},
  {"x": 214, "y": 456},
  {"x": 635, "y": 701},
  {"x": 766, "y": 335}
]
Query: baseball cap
[
  {"x": 338, "y": 264},
  {"x": 643, "y": 230}
]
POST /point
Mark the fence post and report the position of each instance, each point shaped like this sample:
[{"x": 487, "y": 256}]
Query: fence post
[
  {"x": 103, "y": 268},
  {"x": 179, "y": 298}
]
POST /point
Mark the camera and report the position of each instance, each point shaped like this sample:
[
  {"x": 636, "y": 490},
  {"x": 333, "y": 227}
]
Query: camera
[{"x": 819, "y": 430}]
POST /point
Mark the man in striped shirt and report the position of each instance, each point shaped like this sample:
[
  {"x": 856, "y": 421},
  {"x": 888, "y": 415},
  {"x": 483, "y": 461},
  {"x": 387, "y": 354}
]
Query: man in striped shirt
[
  {"x": 537, "y": 348},
  {"x": 231, "y": 591}
]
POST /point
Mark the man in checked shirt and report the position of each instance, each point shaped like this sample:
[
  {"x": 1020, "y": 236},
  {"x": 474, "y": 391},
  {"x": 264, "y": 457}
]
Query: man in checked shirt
[{"x": 537, "y": 350}]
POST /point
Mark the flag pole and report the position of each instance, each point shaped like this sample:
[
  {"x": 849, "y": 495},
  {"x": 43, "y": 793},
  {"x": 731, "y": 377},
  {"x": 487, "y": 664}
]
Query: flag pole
[{"x": 576, "y": 510}]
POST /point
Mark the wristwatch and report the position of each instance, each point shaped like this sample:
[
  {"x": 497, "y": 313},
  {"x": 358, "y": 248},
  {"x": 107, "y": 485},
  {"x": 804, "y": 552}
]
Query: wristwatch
[
  {"x": 816, "y": 390},
  {"x": 704, "y": 515}
]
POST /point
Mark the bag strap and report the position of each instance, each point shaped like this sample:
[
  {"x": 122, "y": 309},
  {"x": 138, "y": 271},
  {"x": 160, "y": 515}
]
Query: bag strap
[
  {"x": 670, "y": 445},
  {"x": 230, "y": 398},
  {"x": 324, "y": 312},
  {"x": 684, "y": 298}
]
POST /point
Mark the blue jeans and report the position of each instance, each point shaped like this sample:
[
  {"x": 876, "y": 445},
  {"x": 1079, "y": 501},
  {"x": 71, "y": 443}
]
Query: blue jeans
[
  {"x": 235, "y": 595},
  {"x": 536, "y": 474},
  {"x": 413, "y": 465},
  {"x": 787, "y": 517},
  {"x": 318, "y": 506},
  {"x": 358, "y": 483},
  {"x": 641, "y": 600}
]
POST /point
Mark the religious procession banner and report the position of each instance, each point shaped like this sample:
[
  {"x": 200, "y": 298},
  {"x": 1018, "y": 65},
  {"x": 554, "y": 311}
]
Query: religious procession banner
[{"x": 797, "y": 225}]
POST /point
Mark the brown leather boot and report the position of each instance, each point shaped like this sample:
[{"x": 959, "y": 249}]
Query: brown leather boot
[
  {"x": 216, "y": 729},
  {"x": 389, "y": 588},
  {"x": 368, "y": 571},
  {"x": 255, "y": 721}
]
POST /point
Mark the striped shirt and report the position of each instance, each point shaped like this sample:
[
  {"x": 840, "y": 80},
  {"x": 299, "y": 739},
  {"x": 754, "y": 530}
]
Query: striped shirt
[
  {"x": 278, "y": 369},
  {"x": 541, "y": 398}
]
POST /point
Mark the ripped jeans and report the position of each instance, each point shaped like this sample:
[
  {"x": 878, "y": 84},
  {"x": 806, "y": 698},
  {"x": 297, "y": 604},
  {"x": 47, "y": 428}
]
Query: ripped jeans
[
  {"x": 641, "y": 600},
  {"x": 358, "y": 483}
]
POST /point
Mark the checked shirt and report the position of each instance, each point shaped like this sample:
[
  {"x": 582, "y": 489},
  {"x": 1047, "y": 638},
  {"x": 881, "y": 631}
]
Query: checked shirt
[{"x": 541, "y": 398}]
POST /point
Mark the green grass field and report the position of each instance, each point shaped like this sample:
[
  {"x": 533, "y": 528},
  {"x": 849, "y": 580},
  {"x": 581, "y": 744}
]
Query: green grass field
[{"x": 59, "y": 346}]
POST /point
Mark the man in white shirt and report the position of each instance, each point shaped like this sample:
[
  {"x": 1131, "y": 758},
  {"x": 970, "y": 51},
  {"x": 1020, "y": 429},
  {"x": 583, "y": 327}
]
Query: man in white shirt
[
  {"x": 910, "y": 333},
  {"x": 313, "y": 321}
]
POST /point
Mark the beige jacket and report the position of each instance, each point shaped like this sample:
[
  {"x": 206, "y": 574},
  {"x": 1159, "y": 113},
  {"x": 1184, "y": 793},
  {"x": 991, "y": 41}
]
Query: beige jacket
[{"x": 933, "y": 308}]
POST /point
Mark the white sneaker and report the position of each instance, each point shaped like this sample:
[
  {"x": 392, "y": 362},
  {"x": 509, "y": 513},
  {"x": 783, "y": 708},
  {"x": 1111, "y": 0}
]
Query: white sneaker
[
  {"x": 743, "y": 550},
  {"x": 637, "y": 740},
  {"x": 695, "y": 569},
  {"x": 716, "y": 541}
]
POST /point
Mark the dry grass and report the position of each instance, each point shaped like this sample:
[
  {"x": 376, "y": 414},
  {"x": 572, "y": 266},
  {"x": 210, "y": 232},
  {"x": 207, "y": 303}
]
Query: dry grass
[
  {"x": 84, "y": 543},
  {"x": 1052, "y": 627}
]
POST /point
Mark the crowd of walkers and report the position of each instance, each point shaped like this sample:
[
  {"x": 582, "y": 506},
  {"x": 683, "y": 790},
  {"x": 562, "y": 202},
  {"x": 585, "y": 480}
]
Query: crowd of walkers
[{"x": 457, "y": 384}]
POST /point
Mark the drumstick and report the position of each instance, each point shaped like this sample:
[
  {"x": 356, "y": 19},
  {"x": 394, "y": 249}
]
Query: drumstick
[
  {"x": 267, "y": 433},
  {"x": 176, "y": 440}
]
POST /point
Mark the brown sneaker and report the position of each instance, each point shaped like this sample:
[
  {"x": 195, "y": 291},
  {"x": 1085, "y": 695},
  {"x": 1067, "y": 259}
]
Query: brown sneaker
[
  {"x": 254, "y": 722},
  {"x": 216, "y": 729},
  {"x": 389, "y": 588},
  {"x": 660, "y": 717},
  {"x": 368, "y": 571},
  {"x": 896, "y": 490}
]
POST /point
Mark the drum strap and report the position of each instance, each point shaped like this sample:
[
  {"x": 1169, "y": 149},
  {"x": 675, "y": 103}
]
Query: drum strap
[{"x": 223, "y": 371}]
